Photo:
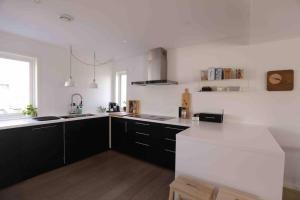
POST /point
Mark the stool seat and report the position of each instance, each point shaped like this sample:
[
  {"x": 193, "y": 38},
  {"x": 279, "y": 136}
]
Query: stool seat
[{"x": 191, "y": 188}]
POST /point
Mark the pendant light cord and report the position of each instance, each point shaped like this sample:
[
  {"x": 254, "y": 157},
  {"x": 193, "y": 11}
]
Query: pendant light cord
[
  {"x": 94, "y": 65},
  {"x": 89, "y": 64},
  {"x": 71, "y": 53}
]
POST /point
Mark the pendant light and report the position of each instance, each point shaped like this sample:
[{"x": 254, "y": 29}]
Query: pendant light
[
  {"x": 70, "y": 82},
  {"x": 93, "y": 83}
]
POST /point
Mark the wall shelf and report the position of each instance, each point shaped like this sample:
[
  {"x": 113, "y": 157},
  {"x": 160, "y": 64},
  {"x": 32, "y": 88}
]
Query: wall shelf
[
  {"x": 233, "y": 84},
  {"x": 232, "y": 79}
]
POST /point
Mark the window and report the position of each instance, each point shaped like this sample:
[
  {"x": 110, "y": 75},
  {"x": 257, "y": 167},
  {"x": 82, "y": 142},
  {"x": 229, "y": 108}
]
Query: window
[
  {"x": 121, "y": 88},
  {"x": 17, "y": 83}
]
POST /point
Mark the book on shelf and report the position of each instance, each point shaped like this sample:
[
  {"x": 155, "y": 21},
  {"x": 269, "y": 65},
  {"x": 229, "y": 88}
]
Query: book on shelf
[
  {"x": 218, "y": 73},
  {"x": 211, "y": 74},
  {"x": 227, "y": 73},
  {"x": 204, "y": 75}
]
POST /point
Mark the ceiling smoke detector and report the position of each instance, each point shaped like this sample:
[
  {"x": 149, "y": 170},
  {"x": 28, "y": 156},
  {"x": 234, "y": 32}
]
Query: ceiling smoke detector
[{"x": 66, "y": 17}]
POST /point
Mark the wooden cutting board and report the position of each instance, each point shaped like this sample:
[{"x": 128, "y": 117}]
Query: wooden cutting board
[{"x": 186, "y": 102}]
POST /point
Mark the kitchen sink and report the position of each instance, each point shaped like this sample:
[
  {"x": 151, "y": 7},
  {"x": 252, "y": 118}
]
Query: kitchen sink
[
  {"x": 77, "y": 115},
  {"x": 46, "y": 118}
]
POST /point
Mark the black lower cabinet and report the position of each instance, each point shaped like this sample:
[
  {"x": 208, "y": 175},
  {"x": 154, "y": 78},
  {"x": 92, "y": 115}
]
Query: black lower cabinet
[
  {"x": 42, "y": 149},
  {"x": 142, "y": 140},
  {"x": 167, "y": 149},
  {"x": 10, "y": 157},
  {"x": 153, "y": 142},
  {"x": 28, "y": 151},
  {"x": 119, "y": 135},
  {"x": 85, "y": 138}
]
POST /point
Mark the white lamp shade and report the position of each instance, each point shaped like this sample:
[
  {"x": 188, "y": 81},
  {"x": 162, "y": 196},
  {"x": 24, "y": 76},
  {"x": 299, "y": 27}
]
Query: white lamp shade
[
  {"x": 94, "y": 84},
  {"x": 69, "y": 83}
]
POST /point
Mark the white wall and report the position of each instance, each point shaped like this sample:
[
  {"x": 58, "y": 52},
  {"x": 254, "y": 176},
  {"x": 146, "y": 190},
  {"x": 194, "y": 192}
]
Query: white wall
[
  {"x": 52, "y": 69},
  {"x": 277, "y": 110}
]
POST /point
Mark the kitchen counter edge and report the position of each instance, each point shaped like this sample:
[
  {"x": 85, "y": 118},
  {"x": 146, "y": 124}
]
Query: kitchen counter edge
[{"x": 19, "y": 123}]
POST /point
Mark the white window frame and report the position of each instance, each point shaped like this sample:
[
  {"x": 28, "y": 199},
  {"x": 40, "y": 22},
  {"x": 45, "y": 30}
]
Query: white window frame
[
  {"x": 118, "y": 87},
  {"x": 32, "y": 77}
]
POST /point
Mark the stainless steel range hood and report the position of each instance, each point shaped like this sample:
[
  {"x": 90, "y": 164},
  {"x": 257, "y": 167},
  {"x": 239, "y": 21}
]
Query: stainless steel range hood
[{"x": 156, "y": 68}]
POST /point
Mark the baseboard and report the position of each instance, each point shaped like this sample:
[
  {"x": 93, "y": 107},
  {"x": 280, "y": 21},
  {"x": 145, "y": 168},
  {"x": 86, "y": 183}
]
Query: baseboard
[{"x": 292, "y": 186}]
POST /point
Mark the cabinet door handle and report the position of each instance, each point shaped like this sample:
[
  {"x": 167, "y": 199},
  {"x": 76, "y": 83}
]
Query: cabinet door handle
[
  {"x": 144, "y": 124},
  {"x": 168, "y": 150},
  {"x": 44, "y": 127},
  {"x": 145, "y": 134},
  {"x": 209, "y": 117},
  {"x": 125, "y": 127},
  {"x": 168, "y": 139},
  {"x": 143, "y": 144},
  {"x": 172, "y": 128}
]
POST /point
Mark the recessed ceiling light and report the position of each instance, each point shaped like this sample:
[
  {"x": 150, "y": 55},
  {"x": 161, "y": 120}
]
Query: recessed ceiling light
[
  {"x": 66, "y": 17},
  {"x": 37, "y": 1}
]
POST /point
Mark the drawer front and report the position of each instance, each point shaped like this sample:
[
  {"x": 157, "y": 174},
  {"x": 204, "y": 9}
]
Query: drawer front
[
  {"x": 168, "y": 143},
  {"x": 140, "y": 127},
  {"x": 170, "y": 131},
  {"x": 143, "y": 151},
  {"x": 142, "y": 137},
  {"x": 168, "y": 158}
]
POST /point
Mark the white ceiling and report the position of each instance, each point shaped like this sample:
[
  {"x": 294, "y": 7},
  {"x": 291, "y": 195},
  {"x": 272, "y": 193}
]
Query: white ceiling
[{"x": 103, "y": 25}]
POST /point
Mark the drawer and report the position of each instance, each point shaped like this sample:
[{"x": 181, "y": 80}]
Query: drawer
[
  {"x": 168, "y": 158},
  {"x": 170, "y": 131},
  {"x": 142, "y": 151},
  {"x": 169, "y": 144},
  {"x": 140, "y": 126},
  {"x": 143, "y": 139}
]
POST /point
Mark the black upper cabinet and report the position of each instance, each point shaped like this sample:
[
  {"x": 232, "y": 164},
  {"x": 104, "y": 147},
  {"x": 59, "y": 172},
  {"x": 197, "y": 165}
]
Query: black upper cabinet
[
  {"x": 42, "y": 149},
  {"x": 10, "y": 154},
  {"x": 119, "y": 135},
  {"x": 85, "y": 138}
]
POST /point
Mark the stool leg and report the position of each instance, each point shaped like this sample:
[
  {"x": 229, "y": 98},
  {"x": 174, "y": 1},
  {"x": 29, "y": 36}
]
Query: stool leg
[{"x": 171, "y": 194}]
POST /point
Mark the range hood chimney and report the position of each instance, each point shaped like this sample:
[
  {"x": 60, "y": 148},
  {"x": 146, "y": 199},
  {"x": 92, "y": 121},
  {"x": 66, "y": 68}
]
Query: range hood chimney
[{"x": 156, "y": 68}]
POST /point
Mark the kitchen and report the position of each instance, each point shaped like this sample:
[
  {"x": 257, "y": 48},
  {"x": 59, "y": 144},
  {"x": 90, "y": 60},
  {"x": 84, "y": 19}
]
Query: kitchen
[{"x": 224, "y": 41}]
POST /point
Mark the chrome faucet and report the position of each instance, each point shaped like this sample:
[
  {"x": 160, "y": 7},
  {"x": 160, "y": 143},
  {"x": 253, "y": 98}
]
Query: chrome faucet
[{"x": 76, "y": 109}]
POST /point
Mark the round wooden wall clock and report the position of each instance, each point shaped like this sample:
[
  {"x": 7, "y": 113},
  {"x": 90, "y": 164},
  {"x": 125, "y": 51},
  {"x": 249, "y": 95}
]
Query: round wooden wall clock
[{"x": 280, "y": 80}]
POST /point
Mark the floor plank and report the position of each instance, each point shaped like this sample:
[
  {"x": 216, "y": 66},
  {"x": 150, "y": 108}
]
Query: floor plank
[{"x": 106, "y": 176}]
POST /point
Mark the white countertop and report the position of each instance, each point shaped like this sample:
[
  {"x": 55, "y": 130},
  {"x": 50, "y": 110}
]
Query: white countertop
[
  {"x": 17, "y": 123},
  {"x": 243, "y": 136}
]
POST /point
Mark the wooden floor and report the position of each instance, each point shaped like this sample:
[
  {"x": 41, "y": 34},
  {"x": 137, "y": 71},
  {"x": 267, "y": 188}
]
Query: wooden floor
[
  {"x": 107, "y": 176},
  {"x": 289, "y": 194}
]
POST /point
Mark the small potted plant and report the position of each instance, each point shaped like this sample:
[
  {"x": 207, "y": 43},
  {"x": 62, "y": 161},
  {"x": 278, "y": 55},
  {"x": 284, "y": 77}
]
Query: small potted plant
[{"x": 30, "y": 111}]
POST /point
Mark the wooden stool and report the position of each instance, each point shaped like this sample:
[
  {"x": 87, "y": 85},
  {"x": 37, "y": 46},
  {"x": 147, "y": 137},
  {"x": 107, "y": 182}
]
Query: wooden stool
[
  {"x": 230, "y": 194},
  {"x": 191, "y": 188}
]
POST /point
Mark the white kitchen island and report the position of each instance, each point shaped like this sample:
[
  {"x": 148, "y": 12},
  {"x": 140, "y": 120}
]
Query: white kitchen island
[{"x": 244, "y": 157}]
